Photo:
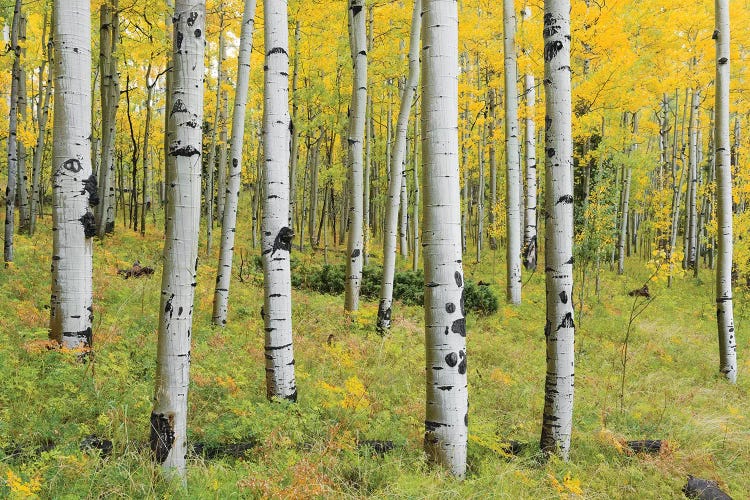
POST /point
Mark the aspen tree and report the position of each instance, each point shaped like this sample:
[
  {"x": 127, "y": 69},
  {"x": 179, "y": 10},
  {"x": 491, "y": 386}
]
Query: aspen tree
[
  {"x": 42, "y": 119},
  {"x": 446, "y": 420},
  {"x": 559, "y": 329},
  {"x": 512, "y": 157},
  {"x": 169, "y": 415},
  {"x": 73, "y": 185},
  {"x": 110, "y": 97},
  {"x": 355, "y": 152},
  {"x": 398, "y": 158},
  {"x": 10, "y": 191},
  {"x": 724, "y": 306},
  {"x": 530, "y": 233},
  {"x": 277, "y": 235},
  {"x": 229, "y": 222}
]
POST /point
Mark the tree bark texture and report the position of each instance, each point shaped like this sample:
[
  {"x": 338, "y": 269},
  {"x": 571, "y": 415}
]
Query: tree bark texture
[{"x": 530, "y": 231}]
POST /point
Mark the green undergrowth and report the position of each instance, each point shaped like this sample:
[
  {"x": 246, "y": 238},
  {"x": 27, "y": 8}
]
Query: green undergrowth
[{"x": 355, "y": 385}]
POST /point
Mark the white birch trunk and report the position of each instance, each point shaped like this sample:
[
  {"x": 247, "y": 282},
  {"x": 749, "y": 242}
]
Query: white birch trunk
[
  {"x": 480, "y": 196},
  {"x": 110, "y": 97},
  {"x": 221, "y": 180},
  {"x": 530, "y": 232},
  {"x": 493, "y": 164},
  {"x": 169, "y": 416},
  {"x": 446, "y": 420},
  {"x": 558, "y": 256},
  {"x": 724, "y": 306},
  {"x": 355, "y": 151},
  {"x": 403, "y": 224},
  {"x": 512, "y": 157},
  {"x": 295, "y": 132},
  {"x": 277, "y": 236},
  {"x": 23, "y": 194},
  {"x": 229, "y": 222},
  {"x": 10, "y": 191},
  {"x": 415, "y": 198},
  {"x": 397, "y": 167}
]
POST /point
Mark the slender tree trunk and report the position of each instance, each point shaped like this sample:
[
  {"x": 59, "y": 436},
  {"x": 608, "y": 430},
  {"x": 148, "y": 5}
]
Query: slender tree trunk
[
  {"x": 314, "y": 202},
  {"x": 277, "y": 236},
  {"x": 22, "y": 192},
  {"x": 724, "y": 306},
  {"x": 169, "y": 416},
  {"x": 480, "y": 196},
  {"x": 226, "y": 254},
  {"x": 146, "y": 134},
  {"x": 446, "y": 420},
  {"x": 42, "y": 118},
  {"x": 74, "y": 187},
  {"x": 221, "y": 179},
  {"x": 530, "y": 232},
  {"x": 10, "y": 191},
  {"x": 110, "y": 98},
  {"x": 397, "y": 166},
  {"x": 512, "y": 160},
  {"x": 209, "y": 194},
  {"x": 493, "y": 166},
  {"x": 692, "y": 228},
  {"x": 559, "y": 330},
  {"x": 415, "y": 198},
  {"x": 355, "y": 143},
  {"x": 403, "y": 224},
  {"x": 295, "y": 130}
]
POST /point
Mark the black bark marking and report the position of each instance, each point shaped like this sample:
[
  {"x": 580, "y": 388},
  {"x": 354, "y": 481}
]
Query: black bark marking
[
  {"x": 563, "y": 297},
  {"x": 197, "y": 33},
  {"x": 384, "y": 313},
  {"x": 356, "y": 9},
  {"x": 283, "y": 241},
  {"x": 466, "y": 419},
  {"x": 178, "y": 41},
  {"x": 89, "y": 186},
  {"x": 550, "y": 152},
  {"x": 567, "y": 321},
  {"x": 356, "y": 253},
  {"x": 73, "y": 165},
  {"x": 168, "y": 307},
  {"x": 179, "y": 311},
  {"x": 433, "y": 426},
  {"x": 235, "y": 162},
  {"x": 292, "y": 397},
  {"x": 459, "y": 278},
  {"x": 552, "y": 49},
  {"x": 89, "y": 224},
  {"x": 192, "y": 18},
  {"x": 547, "y": 329},
  {"x": 566, "y": 198},
  {"x": 162, "y": 435},
  {"x": 459, "y": 326},
  {"x": 186, "y": 151},
  {"x": 445, "y": 387},
  {"x": 451, "y": 359},
  {"x": 450, "y": 307},
  {"x": 277, "y": 50},
  {"x": 723, "y": 60},
  {"x": 462, "y": 364},
  {"x": 178, "y": 107},
  {"x": 715, "y": 35},
  {"x": 85, "y": 336},
  {"x": 462, "y": 302}
]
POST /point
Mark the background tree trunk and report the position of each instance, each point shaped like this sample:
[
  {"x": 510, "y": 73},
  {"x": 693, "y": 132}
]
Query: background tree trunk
[
  {"x": 226, "y": 253},
  {"x": 512, "y": 159},
  {"x": 530, "y": 232}
]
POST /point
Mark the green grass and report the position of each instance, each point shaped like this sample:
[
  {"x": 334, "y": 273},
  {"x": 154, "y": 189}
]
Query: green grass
[{"x": 355, "y": 385}]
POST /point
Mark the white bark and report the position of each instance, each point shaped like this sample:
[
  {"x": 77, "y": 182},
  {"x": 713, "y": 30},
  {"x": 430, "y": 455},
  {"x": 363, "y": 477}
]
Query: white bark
[
  {"x": 480, "y": 196},
  {"x": 22, "y": 193},
  {"x": 169, "y": 416},
  {"x": 724, "y": 310},
  {"x": 623, "y": 221},
  {"x": 530, "y": 232},
  {"x": 558, "y": 256},
  {"x": 71, "y": 310},
  {"x": 110, "y": 97},
  {"x": 397, "y": 168},
  {"x": 512, "y": 157},
  {"x": 10, "y": 191},
  {"x": 415, "y": 198},
  {"x": 295, "y": 132},
  {"x": 403, "y": 223},
  {"x": 221, "y": 179},
  {"x": 229, "y": 222},
  {"x": 42, "y": 118},
  {"x": 692, "y": 229},
  {"x": 277, "y": 236},
  {"x": 446, "y": 420},
  {"x": 355, "y": 150}
]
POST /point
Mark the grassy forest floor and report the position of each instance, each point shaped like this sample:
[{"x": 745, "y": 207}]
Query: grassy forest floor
[{"x": 355, "y": 385}]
